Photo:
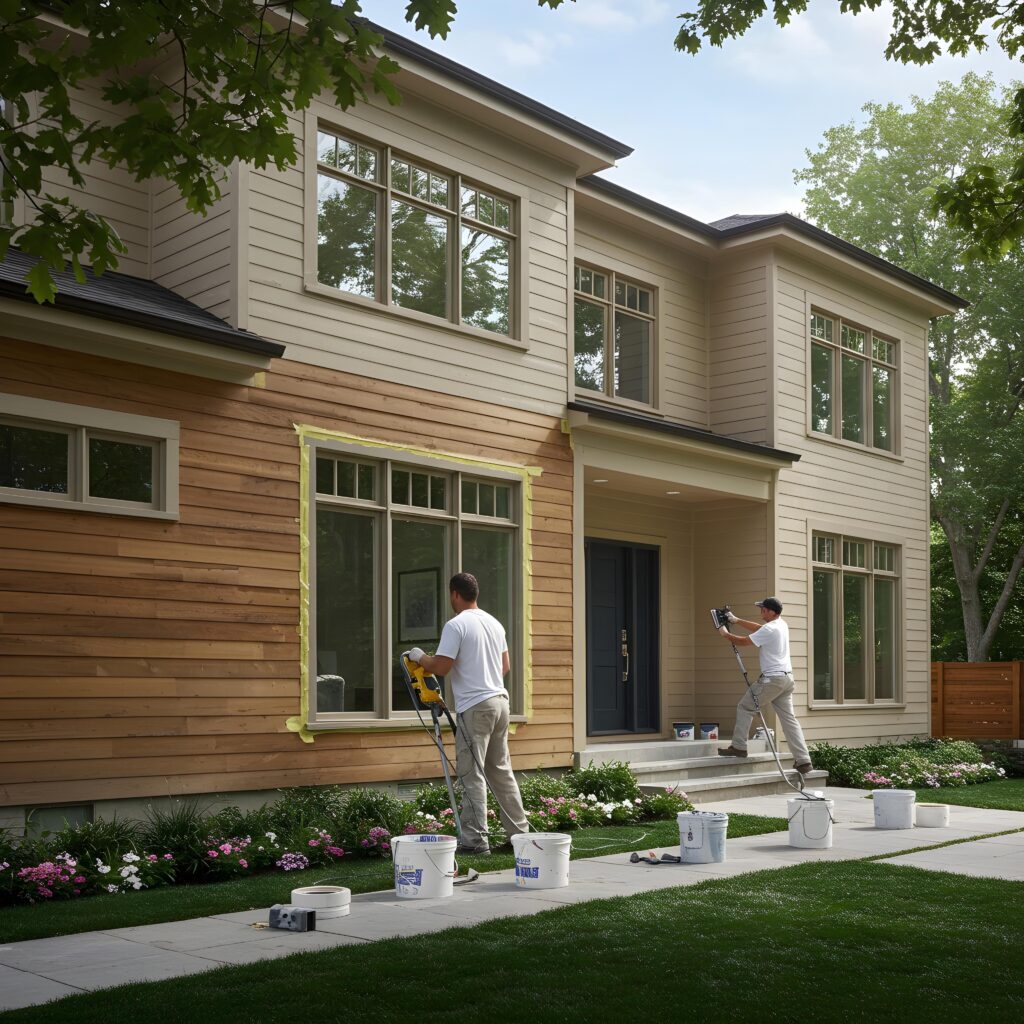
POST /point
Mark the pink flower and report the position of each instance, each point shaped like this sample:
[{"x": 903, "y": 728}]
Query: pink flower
[
  {"x": 242, "y": 863},
  {"x": 79, "y": 880},
  {"x": 224, "y": 848},
  {"x": 168, "y": 856},
  {"x": 314, "y": 842},
  {"x": 211, "y": 853},
  {"x": 152, "y": 856}
]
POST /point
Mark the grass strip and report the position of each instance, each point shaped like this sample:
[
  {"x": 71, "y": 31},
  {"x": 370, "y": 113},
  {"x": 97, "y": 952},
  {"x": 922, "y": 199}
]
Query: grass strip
[
  {"x": 837, "y": 942},
  {"x": 939, "y": 846},
  {"x": 1001, "y": 795},
  {"x": 181, "y": 902}
]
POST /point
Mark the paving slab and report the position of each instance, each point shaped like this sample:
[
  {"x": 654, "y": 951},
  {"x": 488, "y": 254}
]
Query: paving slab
[
  {"x": 998, "y": 857},
  {"x": 22, "y": 988}
]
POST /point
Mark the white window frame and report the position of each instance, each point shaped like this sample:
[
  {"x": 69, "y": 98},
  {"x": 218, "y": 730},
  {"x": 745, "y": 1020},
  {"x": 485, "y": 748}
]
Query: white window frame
[
  {"x": 384, "y": 511},
  {"x": 82, "y": 423}
]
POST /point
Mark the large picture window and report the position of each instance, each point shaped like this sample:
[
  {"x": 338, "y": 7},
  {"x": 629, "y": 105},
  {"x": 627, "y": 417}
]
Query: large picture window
[
  {"x": 855, "y": 620},
  {"x": 614, "y": 335},
  {"x": 853, "y": 383},
  {"x": 387, "y": 537},
  {"x": 399, "y": 232}
]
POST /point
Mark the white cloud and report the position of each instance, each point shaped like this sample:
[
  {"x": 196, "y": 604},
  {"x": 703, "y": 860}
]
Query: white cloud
[
  {"x": 617, "y": 15},
  {"x": 529, "y": 50}
]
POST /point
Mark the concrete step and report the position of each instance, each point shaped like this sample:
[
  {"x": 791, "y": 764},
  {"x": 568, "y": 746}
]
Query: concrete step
[
  {"x": 733, "y": 787},
  {"x": 659, "y": 750},
  {"x": 707, "y": 767}
]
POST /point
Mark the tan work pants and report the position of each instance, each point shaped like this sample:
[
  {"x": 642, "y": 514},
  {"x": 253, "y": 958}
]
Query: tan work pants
[{"x": 777, "y": 691}]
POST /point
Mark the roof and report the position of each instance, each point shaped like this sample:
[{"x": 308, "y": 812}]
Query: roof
[
  {"x": 132, "y": 300},
  {"x": 459, "y": 73},
  {"x": 741, "y": 224}
]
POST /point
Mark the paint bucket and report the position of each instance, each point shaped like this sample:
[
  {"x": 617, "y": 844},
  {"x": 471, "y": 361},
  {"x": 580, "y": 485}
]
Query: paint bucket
[
  {"x": 761, "y": 733},
  {"x": 702, "y": 836},
  {"x": 894, "y": 808},
  {"x": 424, "y": 865},
  {"x": 810, "y": 823},
  {"x": 326, "y": 900},
  {"x": 683, "y": 730},
  {"x": 709, "y": 730},
  {"x": 931, "y": 815},
  {"x": 542, "y": 859}
]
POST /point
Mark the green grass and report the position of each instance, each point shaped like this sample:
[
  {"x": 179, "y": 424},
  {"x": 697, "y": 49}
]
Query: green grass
[
  {"x": 844, "y": 942},
  {"x": 180, "y": 902},
  {"x": 1003, "y": 795}
]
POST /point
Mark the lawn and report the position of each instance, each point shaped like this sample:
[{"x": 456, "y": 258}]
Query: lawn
[
  {"x": 1004, "y": 795},
  {"x": 177, "y": 903},
  {"x": 844, "y": 942}
]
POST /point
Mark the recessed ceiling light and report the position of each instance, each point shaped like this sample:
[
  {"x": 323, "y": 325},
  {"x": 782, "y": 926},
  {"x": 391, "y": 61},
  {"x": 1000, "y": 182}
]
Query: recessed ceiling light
[
  {"x": 600, "y": 481},
  {"x": 672, "y": 492}
]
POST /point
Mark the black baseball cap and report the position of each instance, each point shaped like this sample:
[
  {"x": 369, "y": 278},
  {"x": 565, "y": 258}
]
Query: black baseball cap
[{"x": 773, "y": 604}]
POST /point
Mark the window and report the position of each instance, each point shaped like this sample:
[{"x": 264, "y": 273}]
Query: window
[
  {"x": 853, "y": 383},
  {"x": 389, "y": 534},
  {"x": 395, "y": 230},
  {"x": 71, "y": 456},
  {"x": 614, "y": 332},
  {"x": 855, "y": 620}
]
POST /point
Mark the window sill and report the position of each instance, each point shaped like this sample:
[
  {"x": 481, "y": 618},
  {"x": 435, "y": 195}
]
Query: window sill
[
  {"x": 439, "y": 323},
  {"x": 7, "y": 498},
  {"x": 857, "y": 706},
  {"x": 599, "y": 398},
  {"x": 387, "y": 724},
  {"x": 854, "y": 447}
]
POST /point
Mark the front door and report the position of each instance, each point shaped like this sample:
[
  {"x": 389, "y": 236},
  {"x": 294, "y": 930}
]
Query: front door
[{"x": 622, "y": 638}]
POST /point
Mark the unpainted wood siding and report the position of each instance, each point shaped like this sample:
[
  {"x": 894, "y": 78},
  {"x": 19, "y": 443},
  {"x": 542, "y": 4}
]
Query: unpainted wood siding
[
  {"x": 678, "y": 279},
  {"x": 143, "y": 658},
  {"x": 380, "y": 343},
  {"x": 853, "y": 490}
]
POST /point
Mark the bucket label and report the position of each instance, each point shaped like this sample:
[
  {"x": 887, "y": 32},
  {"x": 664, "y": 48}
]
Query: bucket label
[
  {"x": 524, "y": 871},
  {"x": 409, "y": 876}
]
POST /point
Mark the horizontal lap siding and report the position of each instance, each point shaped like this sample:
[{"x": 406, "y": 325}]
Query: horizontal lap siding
[
  {"x": 141, "y": 658},
  {"x": 853, "y": 491}
]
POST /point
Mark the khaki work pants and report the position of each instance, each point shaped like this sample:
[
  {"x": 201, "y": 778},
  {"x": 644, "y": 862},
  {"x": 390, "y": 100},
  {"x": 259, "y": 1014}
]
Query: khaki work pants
[{"x": 777, "y": 691}]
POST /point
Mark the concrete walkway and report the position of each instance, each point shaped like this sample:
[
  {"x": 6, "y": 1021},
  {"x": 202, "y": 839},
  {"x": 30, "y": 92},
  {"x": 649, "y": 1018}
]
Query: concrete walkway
[{"x": 44, "y": 969}]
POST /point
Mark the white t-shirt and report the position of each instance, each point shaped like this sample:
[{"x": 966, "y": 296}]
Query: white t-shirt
[
  {"x": 475, "y": 641},
  {"x": 772, "y": 643}
]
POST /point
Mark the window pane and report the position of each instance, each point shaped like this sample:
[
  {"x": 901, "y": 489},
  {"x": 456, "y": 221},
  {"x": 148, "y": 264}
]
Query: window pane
[
  {"x": 599, "y": 285},
  {"x": 821, "y": 389},
  {"x": 885, "y": 558},
  {"x": 854, "y": 641},
  {"x": 588, "y": 353},
  {"x": 400, "y": 175},
  {"x": 346, "y": 572},
  {"x": 347, "y": 479},
  {"x": 347, "y": 155},
  {"x": 419, "y": 259},
  {"x": 645, "y": 301},
  {"x": 486, "y": 499},
  {"x": 469, "y": 496},
  {"x": 420, "y": 490},
  {"x": 585, "y": 280},
  {"x": 883, "y": 350},
  {"x": 486, "y": 293},
  {"x": 367, "y": 483},
  {"x": 824, "y": 635},
  {"x": 853, "y": 399},
  {"x": 821, "y": 327},
  {"x": 326, "y": 149},
  {"x": 852, "y": 338},
  {"x": 419, "y": 183},
  {"x": 632, "y": 357},
  {"x": 34, "y": 460},
  {"x": 418, "y": 606},
  {"x": 367, "y": 164},
  {"x": 469, "y": 202},
  {"x": 485, "y": 209},
  {"x": 120, "y": 470},
  {"x": 502, "y": 214},
  {"x": 503, "y": 502},
  {"x": 438, "y": 492},
  {"x": 885, "y": 639},
  {"x": 632, "y": 297},
  {"x": 855, "y": 554},
  {"x": 881, "y": 411},
  {"x": 325, "y": 476},
  {"x": 620, "y": 293},
  {"x": 487, "y": 554},
  {"x": 346, "y": 236},
  {"x": 438, "y": 190},
  {"x": 400, "y": 486},
  {"x": 824, "y": 550}
]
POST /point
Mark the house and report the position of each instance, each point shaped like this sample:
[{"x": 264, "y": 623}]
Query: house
[{"x": 236, "y": 475}]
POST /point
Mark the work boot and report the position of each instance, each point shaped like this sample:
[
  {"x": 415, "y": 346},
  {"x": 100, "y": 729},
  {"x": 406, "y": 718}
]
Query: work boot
[
  {"x": 472, "y": 851},
  {"x": 804, "y": 768},
  {"x": 732, "y": 751}
]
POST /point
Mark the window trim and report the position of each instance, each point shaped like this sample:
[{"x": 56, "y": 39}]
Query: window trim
[
  {"x": 388, "y": 144},
  {"x": 83, "y": 422}
]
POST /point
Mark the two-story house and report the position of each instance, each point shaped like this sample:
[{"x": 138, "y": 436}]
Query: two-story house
[{"x": 236, "y": 476}]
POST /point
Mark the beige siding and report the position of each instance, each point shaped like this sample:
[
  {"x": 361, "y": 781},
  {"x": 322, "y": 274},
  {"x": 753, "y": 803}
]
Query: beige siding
[
  {"x": 679, "y": 281},
  {"x": 853, "y": 490}
]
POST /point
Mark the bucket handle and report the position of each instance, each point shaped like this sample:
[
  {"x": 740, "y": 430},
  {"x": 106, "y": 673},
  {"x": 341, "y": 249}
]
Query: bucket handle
[{"x": 831, "y": 822}]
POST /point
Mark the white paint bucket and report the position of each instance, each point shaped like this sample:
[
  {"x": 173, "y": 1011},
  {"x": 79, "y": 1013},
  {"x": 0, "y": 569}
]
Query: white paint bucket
[
  {"x": 326, "y": 900},
  {"x": 931, "y": 815},
  {"x": 424, "y": 866},
  {"x": 542, "y": 859},
  {"x": 894, "y": 808},
  {"x": 702, "y": 836},
  {"x": 810, "y": 823}
]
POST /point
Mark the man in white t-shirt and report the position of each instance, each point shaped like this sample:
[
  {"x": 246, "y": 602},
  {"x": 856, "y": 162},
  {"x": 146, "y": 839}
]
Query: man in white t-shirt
[
  {"x": 473, "y": 654},
  {"x": 774, "y": 685}
]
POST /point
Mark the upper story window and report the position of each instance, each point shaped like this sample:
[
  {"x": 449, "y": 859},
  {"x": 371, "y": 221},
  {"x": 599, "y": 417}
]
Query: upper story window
[
  {"x": 71, "y": 456},
  {"x": 855, "y": 619},
  {"x": 614, "y": 335},
  {"x": 853, "y": 383},
  {"x": 395, "y": 230}
]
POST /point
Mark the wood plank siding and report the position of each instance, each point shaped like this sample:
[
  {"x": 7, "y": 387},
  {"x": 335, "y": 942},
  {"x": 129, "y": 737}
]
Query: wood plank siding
[{"x": 144, "y": 658}]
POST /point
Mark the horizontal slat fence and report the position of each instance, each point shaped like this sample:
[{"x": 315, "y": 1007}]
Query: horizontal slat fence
[{"x": 977, "y": 700}]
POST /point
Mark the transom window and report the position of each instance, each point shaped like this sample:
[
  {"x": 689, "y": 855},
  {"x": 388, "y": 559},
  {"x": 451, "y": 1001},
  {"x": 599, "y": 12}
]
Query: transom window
[
  {"x": 614, "y": 332},
  {"x": 853, "y": 383},
  {"x": 856, "y": 620},
  {"x": 388, "y": 536},
  {"x": 392, "y": 229}
]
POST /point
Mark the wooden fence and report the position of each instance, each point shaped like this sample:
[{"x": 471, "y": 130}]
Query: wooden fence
[{"x": 978, "y": 700}]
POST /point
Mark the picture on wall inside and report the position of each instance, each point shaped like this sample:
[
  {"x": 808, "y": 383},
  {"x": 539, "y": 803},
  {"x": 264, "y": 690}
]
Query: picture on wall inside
[{"x": 417, "y": 604}]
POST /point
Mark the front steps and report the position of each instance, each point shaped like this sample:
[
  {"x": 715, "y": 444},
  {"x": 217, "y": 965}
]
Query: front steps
[{"x": 695, "y": 767}]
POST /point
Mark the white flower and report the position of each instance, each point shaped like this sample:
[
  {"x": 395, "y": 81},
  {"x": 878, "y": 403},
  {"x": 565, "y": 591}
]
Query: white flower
[
  {"x": 590, "y": 796},
  {"x": 111, "y": 888},
  {"x": 103, "y": 869},
  {"x": 136, "y": 884},
  {"x": 609, "y": 814},
  {"x": 272, "y": 836},
  {"x": 627, "y": 803},
  {"x": 131, "y": 858}
]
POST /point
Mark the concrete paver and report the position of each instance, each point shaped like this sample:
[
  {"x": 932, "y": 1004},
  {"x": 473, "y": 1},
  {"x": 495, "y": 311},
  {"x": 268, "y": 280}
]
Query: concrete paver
[{"x": 44, "y": 969}]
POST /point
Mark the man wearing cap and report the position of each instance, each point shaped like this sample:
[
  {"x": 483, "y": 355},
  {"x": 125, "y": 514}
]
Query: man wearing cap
[{"x": 775, "y": 684}]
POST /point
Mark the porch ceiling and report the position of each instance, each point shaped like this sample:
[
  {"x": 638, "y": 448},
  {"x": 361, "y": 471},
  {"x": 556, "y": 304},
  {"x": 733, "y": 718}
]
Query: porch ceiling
[{"x": 601, "y": 482}]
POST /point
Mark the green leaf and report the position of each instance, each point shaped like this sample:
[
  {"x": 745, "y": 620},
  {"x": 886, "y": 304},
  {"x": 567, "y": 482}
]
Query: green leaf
[{"x": 41, "y": 284}]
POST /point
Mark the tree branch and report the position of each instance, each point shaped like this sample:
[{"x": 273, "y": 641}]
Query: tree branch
[
  {"x": 1004, "y": 600},
  {"x": 993, "y": 533}
]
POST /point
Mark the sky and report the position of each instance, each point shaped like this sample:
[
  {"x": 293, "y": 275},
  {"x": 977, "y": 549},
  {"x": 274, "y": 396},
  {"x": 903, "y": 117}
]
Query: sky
[{"x": 713, "y": 135}]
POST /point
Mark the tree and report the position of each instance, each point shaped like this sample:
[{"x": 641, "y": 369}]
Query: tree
[
  {"x": 197, "y": 84},
  {"x": 984, "y": 199},
  {"x": 874, "y": 185}
]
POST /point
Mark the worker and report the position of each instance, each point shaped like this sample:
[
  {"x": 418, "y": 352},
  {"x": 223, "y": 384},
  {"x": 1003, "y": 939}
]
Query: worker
[
  {"x": 775, "y": 684},
  {"x": 473, "y": 654}
]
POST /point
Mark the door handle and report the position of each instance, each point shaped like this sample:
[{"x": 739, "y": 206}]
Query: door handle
[{"x": 625, "y": 655}]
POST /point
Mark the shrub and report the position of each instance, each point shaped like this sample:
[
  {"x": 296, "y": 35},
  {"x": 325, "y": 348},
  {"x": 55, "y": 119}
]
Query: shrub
[
  {"x": 666, "y": 805},
  {"x": 99, "y": 839},
  {"x": 228, "y": 856},
  {"x": 614, "y": 781},
  {"x": 432, "y": 799},
  {"x": 184, "y": 832},
  {"x": 305, "y": 807},
  {"x": 136, "y": 871},
  {"x": 536, "y": 785}
]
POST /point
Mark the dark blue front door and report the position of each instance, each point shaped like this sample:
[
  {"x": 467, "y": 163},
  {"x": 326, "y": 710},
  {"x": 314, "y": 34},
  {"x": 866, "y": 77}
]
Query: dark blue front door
[{"x": 622, "y": 638}]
